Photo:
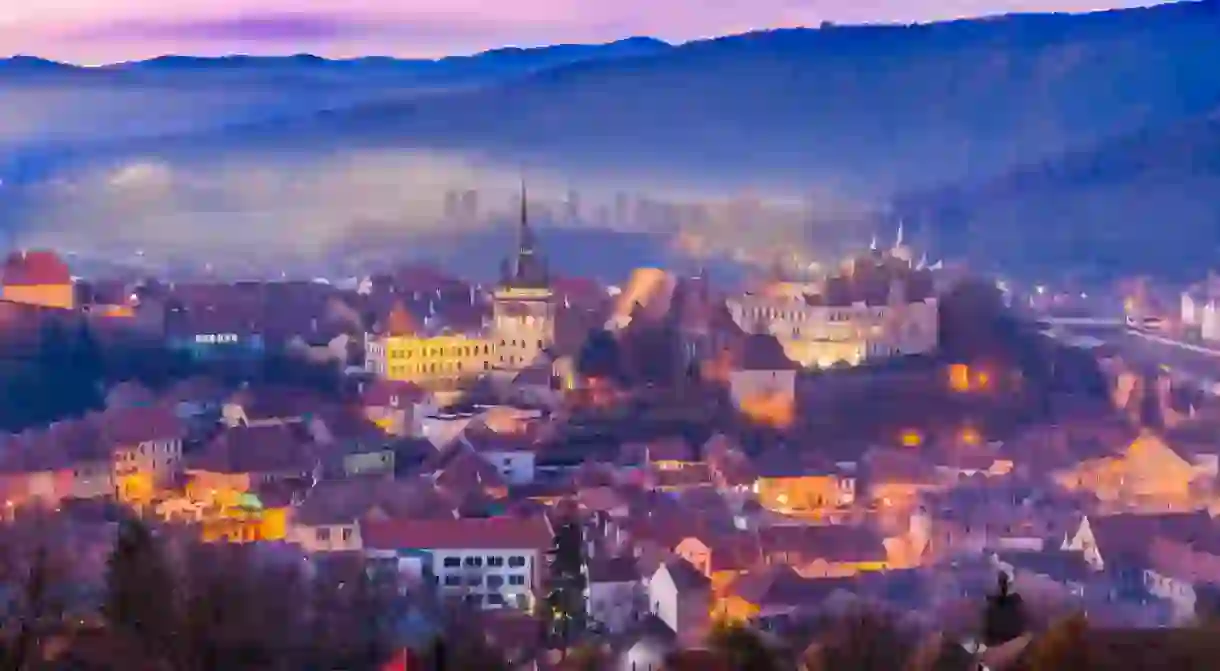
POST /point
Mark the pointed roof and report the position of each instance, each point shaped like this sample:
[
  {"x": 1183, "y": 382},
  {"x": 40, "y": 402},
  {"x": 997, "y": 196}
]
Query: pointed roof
[
  {"x": 400, "y": 322},
  {"x": 528, "y": 269}
]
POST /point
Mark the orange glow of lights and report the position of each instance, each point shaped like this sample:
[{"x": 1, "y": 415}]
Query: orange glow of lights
[
  {"x": 911, "y": 438},
  {"x": 959, "y": 377},
  {"x": 982, "y": 380},
  {"x": 774, "y": 410},
  {"x": 970, "y": 436}
]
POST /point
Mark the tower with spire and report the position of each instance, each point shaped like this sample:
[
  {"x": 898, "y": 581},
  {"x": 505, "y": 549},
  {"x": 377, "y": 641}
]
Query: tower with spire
[{"x": 523, "y": 310}]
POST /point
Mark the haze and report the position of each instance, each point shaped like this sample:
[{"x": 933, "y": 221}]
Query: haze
[{"x": 103, "y": 31}]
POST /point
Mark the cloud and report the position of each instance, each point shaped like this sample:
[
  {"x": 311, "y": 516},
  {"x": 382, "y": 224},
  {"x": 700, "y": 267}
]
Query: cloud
[{"x": 285, "y": 27}]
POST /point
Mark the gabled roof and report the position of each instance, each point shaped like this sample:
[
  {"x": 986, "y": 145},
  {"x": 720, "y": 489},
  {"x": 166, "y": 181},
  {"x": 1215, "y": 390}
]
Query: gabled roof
[
  {"x": 489, "y": 533},
  {"x": 685, "y": 576}
]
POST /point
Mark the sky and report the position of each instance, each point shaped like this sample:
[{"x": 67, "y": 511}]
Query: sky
[{"x": 92, "y": 32}]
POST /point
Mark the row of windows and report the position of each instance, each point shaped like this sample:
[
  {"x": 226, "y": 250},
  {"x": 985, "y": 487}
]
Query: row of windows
[
  {"x": 493, "y": 581},
  {"x": 433, "y": 352},
  {"x": 323, "y": 534},
  {"x": 516, "y": 343},
  {"x": 153, "y": 447},
  {"x": 790, "y": 315},
  {"x": 515, "y": 561},
  {"x": 441, "y": 367}
]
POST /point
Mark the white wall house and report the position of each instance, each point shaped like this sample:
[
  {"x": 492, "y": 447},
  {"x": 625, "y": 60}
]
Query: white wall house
[{"x": 489, "y": 563}]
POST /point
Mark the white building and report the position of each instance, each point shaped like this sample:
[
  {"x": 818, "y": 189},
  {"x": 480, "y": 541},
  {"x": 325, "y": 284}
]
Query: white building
[
  {"x": 680, "y": 596},
  {"x": 878, "y": 306},
  {"x": 489, "y": 563}
]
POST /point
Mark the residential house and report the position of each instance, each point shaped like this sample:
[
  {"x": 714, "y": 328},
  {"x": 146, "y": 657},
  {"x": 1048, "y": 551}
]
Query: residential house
[
  {"x": 537, "y": 385},
  {"x": 351, "y": 444},
  {"x": 395, "y": 406},
  {"x": 790, "y": 483},
  {"x": 267, "y": 405},
  {"x": 615, "y": 592},
  {"x": 681, "y": 597},
  {"x": 510, "y": 450},
  {"x": 494, "y": 562},
  {"x": 1046, "y": 575},
  {"x": 771, "y": 595},
  {"x": 812, "y": 550},
  {"x": 328, "y": 519},
  {"x": 1147, "y": 475},
  {"x": 146, "y": 447},
  {"x": 762, "y": 384},
  {"x": 896, "y": 479}
]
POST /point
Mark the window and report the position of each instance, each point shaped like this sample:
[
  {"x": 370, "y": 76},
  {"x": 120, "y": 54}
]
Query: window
[
  {"x": 516, "y": 561},
  {"x": 474, "y": 580},
  {"x": 473, "y": 561},
  {"x": 495, "y": 580},
  {"x": 452, "y": 562},
  {"x": 452, "y": 581},
  {"x": 516, "y": 580},
  {"x": 495, "y": 560},
  {"x": 323, "y": 534},
  {"x": 347, "y": 534},
  {"x": 495, "y": 599}
]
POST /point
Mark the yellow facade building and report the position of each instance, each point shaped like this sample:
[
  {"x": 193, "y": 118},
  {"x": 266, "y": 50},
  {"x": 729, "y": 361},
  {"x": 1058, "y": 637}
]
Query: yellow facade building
[{"x": 426, "y": 354}]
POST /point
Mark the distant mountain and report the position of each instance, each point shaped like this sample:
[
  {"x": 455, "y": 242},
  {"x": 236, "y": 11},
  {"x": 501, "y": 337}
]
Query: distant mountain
[
  {"x": 57, "y": 105},
  {"x": 868, "y": 110},
  {"x": 476, "y": 68},
  {"x": 1148, "y": 202}
]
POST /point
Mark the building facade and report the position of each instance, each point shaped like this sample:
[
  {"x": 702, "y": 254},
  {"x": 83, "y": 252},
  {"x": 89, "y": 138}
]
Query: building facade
[
  {"x": 426, "y": 353},
  {"x": 880, "y": 305}
]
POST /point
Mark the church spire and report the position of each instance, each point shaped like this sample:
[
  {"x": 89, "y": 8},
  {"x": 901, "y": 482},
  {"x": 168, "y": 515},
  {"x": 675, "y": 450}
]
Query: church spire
[{"x": 525, "y": 234}]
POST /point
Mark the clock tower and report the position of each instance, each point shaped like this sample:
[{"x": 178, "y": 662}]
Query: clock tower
[{"x": 523, "y": 308}]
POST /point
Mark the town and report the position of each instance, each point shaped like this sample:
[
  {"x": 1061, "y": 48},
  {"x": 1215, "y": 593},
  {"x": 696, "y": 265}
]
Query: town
[{"x": 618, "y": 468}]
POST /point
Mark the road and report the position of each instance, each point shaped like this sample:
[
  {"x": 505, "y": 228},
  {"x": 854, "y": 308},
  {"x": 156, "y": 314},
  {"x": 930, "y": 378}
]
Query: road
[{"x": 1183, "y": 364}]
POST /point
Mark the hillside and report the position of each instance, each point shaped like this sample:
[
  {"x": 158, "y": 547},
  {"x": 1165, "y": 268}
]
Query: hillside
[
  {"x": 866, "y": 110},
  {"x": 1148, "y": 202},
  {"x": 47, "y": 101}
]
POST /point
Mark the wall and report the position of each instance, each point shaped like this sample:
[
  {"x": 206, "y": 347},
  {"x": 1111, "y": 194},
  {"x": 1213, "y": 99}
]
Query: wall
[
  {"x": 523, "y": 325},
  {"x": 459, "y": 565},
  {"x": 338, "y": 537},
  {"x": 429, "y": 359},
  {"x": 614, "y": 604},
  {"x": 48, "y": 295}
]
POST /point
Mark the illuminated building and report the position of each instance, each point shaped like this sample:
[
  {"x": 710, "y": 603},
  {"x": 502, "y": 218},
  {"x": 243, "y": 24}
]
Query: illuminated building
[
  {"x": 409, "y": 351},
  {"x": 38, "y": 277},
  {"x": 523, "y": 312},
  {"x": 880, "y": 305}
]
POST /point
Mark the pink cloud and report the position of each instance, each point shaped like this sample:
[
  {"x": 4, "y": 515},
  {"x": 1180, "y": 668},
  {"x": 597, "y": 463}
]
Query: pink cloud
[{"x": 95, "y": 31}]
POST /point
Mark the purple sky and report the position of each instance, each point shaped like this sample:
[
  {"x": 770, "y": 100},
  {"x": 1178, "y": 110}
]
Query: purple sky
[{"x": 99, "y": 31}]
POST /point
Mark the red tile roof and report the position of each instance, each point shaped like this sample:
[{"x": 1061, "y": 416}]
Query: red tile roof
[
  {"x": 400, "y": 322},
  {"x": 130, "y": 426},
  {"x": 492, "y": 533},
  {"x": 35, "y": 268},
  {"x": 273, "y": 448},
  {"x": 391, "y": 394}
]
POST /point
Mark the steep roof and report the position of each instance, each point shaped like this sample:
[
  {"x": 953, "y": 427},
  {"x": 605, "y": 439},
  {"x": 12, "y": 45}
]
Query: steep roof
[{"x": 35, "y": 268}]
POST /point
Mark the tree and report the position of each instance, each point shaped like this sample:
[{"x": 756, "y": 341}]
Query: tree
[
  {"x": 565, "y": 601},
  {"x": 140, "y": 593},
  {"x": 1063, "y": 646},
  {"x": 863, "y": 641},
  {"x": 600, "y": 356},
  {"x": 742, "y": 649},
  {"x": 1005, "y": 617}
]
